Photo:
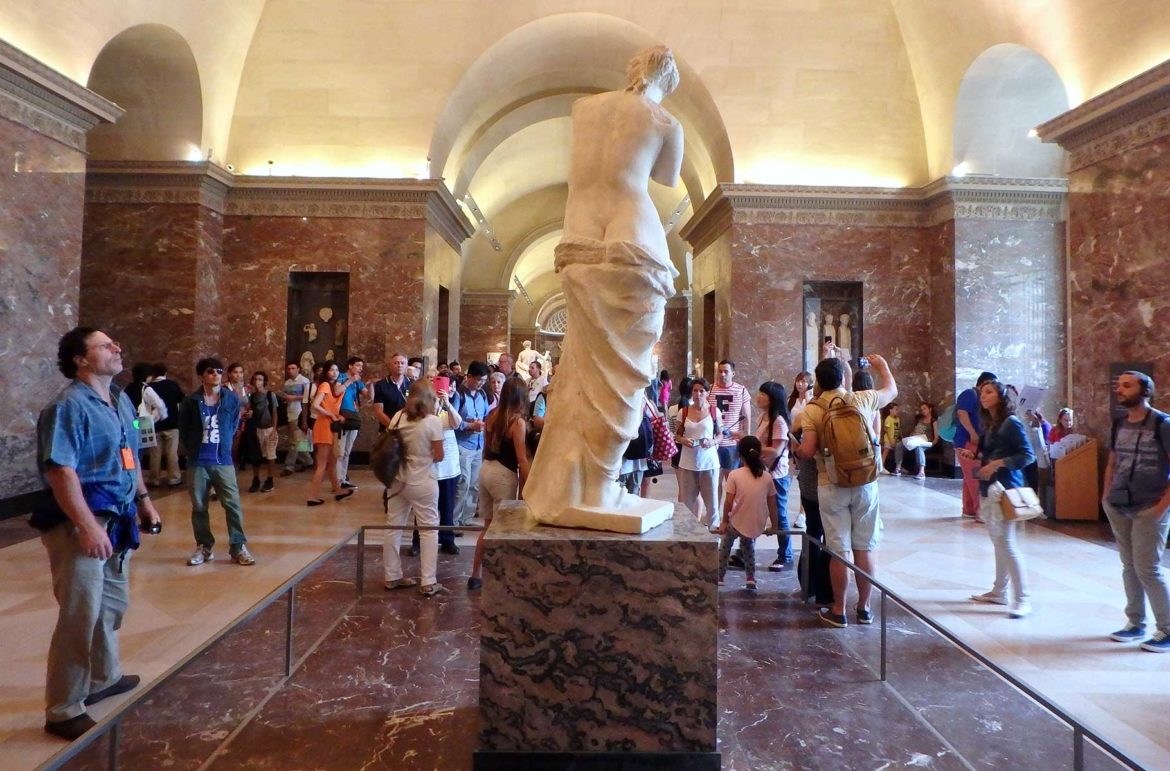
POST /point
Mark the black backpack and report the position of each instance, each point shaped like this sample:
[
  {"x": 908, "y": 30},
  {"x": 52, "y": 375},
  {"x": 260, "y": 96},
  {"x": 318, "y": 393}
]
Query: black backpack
[
  {"x": 642, "y": 445},
  {"x": 388, "y": 455}
]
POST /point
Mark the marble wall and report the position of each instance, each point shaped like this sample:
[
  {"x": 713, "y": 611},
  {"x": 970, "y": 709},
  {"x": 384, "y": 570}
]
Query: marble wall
[
  {"x": 939, "y": 247},
  {"x": 150, "y": 276},
  {"x": 42, "y": 192},
  {"x": 674, "y": 346},
  {"x": 384, "y": 258},
  {"x": 1119, "y": 302},
  {"x": 770, "y": 264},
  {"x": 483, "y": 324},
  {"x": 442, "y": 267},
  {"x": 1009, "y": 304}
]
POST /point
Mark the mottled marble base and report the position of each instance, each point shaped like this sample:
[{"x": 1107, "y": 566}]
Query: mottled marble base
[{"x": 598, "y": 642}]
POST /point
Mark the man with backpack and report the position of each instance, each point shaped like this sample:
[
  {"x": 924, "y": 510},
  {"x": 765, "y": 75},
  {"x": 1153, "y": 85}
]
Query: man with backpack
[
  {"x": 837, "y": 431},
  {"x": 1137, "y": 503}
]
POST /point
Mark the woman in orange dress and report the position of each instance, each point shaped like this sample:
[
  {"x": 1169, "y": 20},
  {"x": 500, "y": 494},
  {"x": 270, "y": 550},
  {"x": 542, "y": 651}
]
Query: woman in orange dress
[{"x": 326, "y": 409}]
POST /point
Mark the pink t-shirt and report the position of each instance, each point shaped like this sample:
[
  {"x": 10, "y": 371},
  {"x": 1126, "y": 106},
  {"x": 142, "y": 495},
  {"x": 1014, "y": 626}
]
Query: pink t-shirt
[{"x": 749, "y": 510}]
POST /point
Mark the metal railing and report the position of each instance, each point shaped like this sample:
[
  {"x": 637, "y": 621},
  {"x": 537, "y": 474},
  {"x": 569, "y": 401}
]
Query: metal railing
[
  {"x": 111, "y": 723},
  {"x": 1081, "y": 732}
]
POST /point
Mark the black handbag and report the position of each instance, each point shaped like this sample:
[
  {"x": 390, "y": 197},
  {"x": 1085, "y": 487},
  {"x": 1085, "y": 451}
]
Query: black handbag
[{"x": 352, "y": 420}]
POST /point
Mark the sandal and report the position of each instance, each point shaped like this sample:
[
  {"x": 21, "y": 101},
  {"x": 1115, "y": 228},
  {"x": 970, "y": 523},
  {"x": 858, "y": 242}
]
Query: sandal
[
  {"x": 430, "y": 590},
  {"x": 315, "y": 502},
  {"x": 401, "y": 583}
]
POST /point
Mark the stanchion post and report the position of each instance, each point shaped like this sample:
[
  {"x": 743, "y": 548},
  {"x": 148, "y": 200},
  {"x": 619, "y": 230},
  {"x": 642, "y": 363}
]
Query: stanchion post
[
  {"x": 115, "y": 739},
  {"x": 883, "y": 609},
  {"x": 360, "y": 580},
  {"x": 805, "y": 565},
  {"x": 288, "y": 632},
  {"x": 1078, "y": 749}
]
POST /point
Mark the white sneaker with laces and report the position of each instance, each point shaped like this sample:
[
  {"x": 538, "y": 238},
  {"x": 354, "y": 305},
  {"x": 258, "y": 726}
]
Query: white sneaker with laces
[{"x": 200, "y": 555}]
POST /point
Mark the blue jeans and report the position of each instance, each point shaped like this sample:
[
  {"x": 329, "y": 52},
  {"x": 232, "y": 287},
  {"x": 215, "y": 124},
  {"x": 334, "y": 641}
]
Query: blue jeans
[
  {"x": 223, "y": 479},
  {"x": 783, "y": 542}
]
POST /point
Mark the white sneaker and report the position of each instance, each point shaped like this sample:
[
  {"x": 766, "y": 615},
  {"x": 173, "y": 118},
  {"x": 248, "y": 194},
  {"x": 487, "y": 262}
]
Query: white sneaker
[
  {"x": 990, "y": 598},
  {"x": 1020, "y": 609},
  {"x": 200, "y": 555}
]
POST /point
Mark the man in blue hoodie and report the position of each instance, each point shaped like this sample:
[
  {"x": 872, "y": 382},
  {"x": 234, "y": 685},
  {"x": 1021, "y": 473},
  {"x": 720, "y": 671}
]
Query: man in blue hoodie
[{"x": 207, "y": 422}]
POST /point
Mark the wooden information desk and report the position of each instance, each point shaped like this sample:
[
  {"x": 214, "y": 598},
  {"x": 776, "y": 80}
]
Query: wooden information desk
[{"x": 1077, "y": 494}]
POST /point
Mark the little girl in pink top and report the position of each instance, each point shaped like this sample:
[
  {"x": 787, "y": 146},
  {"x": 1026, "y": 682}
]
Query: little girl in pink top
[{"x": 749, "y": 508}]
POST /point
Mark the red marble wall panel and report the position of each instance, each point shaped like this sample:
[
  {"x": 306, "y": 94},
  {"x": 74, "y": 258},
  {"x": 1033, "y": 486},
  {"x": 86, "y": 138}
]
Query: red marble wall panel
[
  {"x": 141, "y": 281},
  {"x": 769, "y": 265},
  {"x": 1119, "y": 239},
  {"x": 939, "y": 245},
  {"x": 482, "y": 328},
  {"x": 42, "y": 194},
  {"x": 384, "y": 258},
  {"x": 672, "y": 347}
]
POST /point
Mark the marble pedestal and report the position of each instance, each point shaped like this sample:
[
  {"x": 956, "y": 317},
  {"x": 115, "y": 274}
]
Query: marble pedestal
[{"x": 598, "y": 649}]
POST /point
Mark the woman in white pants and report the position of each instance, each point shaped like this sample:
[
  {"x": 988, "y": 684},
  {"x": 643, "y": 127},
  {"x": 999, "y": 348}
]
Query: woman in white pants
[
  {"x": 698, "y": 463},
  {"x": 505, "y": 462},
  {"x": 416, "y": 489},
  {"x": 1004, "y": 452}
]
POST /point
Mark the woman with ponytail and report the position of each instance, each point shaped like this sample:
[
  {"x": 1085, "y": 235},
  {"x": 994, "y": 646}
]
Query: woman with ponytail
[{"x": 749, "y": 508}]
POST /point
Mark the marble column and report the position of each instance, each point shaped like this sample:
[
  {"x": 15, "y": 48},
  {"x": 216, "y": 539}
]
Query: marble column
[
  {"x": 44, "y": 117},
  {"x": 1119, "y": 237},
  {"x": 674, "y": 347},
  {"x": 152, "y": 260},
  {"x": 1006, "y": 261},
  {"x": 485, "y": 321}
]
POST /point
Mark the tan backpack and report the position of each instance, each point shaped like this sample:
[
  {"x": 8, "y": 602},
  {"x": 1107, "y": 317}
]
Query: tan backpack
[{"x": 846, "y": 437}]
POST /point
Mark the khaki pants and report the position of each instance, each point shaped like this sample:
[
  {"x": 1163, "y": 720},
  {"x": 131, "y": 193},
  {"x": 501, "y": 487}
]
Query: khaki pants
[
  {"x": 92, "y": 596},
  {"x": 168, "y": 445}
]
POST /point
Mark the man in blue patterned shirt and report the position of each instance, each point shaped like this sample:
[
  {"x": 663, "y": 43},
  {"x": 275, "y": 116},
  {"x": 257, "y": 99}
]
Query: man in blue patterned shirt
[{"x": 87, "y": 451}]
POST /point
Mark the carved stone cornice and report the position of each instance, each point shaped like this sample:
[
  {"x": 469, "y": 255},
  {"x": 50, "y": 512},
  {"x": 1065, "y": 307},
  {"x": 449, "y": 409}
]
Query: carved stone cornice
[
  {"x": 179, "y": 182},
  {"x": 1126, "y": 116},
  {"x": 496, "y": 298},
  {"x": 1005, "y": 199},
  {"x": 157, "y": 182},
  {"x": 993, "y": 198},
  {"x": 42, "y": 99}
]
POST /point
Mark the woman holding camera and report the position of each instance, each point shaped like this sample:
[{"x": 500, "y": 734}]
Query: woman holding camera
[{"x": 1004, "y": 451}]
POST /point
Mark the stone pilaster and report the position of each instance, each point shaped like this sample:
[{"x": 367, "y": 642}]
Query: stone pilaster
[
  {"x": 485, "y": 321},
  {"x": 44, "y": 117}
]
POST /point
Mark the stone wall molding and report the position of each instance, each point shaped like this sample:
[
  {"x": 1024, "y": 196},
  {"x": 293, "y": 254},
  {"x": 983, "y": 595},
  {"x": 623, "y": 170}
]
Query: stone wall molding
[
  {"x": 205, "y": 183},
  {"x": 992, "y": 198},
  {"x": 1126, "y": 116},
  {"x": 499, "y": 298},
  {"x": 42, "y": 99}
]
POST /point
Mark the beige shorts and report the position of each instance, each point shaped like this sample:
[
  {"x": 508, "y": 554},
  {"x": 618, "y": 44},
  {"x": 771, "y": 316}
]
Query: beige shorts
[{"x": 267, "y": 437}]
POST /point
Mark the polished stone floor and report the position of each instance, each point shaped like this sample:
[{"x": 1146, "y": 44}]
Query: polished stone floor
[{"x": 390, "y": 681}]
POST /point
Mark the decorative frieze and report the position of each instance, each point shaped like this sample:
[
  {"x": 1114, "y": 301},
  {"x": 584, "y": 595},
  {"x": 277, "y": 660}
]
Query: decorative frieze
[
  {"x": 209, "y": 185},
  {"x": 1124, "y": 117},
  {"x": 500, "y": 298},
  {"x": 988, "y": 198},
  {"x": 42, "y": 99}
]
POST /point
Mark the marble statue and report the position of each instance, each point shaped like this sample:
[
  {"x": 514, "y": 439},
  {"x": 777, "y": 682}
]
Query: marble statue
[
  {"x": 830, "y": 328},
  {"x": 845, "y": 335},
  {"x": 697, "y": 369},
  {"x": 546, "y": 361},
  {"x": 307, "y": 362},
  {"x": 310, "y": 331},
  {"x": 616, "y": 274},
  {"x": 811, "y": 341},
  {"x": 526, "y": 357}
]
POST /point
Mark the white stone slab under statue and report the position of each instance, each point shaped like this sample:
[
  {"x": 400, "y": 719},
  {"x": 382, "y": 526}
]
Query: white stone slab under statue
[{"x": 616, "y": 275}]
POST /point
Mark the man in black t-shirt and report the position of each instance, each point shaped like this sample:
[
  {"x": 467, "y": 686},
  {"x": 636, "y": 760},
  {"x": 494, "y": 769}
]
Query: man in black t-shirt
[
  {"x": 166, "y": 430},
  {"x": 390, "y": 392}
]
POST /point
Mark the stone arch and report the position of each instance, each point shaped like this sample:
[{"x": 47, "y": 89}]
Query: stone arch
[
  {"x": 534, "y": 73},
  {"x": 1006, "y": 92},
  {"x": 150, "y": 71}
]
